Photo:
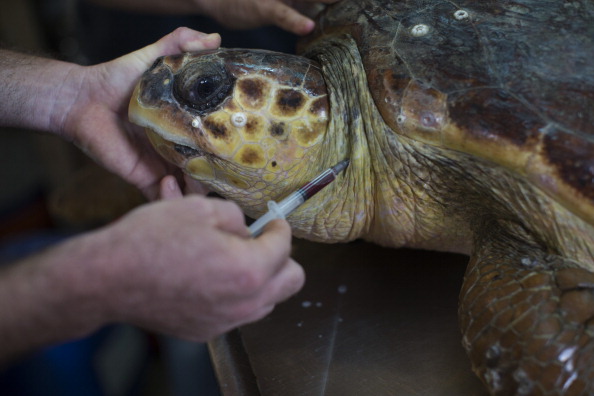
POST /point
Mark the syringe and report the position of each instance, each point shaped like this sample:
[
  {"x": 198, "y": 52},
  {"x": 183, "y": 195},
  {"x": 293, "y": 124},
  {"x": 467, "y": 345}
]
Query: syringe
[{"x": 283, "y": 208}]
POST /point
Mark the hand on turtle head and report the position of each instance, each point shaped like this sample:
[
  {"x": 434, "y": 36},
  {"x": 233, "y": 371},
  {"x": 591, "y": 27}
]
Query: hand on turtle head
[
  {"x": 97, "y": 120},
  {"x": 246, "y": 14}
]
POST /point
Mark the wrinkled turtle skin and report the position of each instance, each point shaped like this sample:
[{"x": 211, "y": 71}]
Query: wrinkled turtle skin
[{"x": 470, "y": 128}]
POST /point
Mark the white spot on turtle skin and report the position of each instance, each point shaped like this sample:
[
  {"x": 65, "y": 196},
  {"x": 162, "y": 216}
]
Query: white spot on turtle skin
[
  {"x": 166, "y": 81},
  {"x": 527, "y": 262},
  {"x": 400, "y": 119},
  {"x": 238, "y": 119},
  {"x": 419, "y": 30},
  {"x": 566, "y": 354},
  {"x": 461, "y": 15},
  {"x": 306, "y": 304},
  {"x": 570, "y": 381},
  {"x": 525, "y": 383},
  {"x": 196, "y": 122},
  {"x": 342, "y": 289}
]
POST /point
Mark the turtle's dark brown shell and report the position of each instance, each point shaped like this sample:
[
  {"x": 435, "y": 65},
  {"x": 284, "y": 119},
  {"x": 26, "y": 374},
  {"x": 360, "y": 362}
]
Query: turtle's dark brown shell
[{"x": 508, "y": 81}]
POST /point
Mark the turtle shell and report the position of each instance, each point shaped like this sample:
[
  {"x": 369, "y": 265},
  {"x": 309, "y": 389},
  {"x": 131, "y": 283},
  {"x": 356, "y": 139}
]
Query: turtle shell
[{"x": 511, "y": 82}]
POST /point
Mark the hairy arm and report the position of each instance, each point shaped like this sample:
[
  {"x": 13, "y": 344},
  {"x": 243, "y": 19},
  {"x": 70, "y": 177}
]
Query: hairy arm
[
  {"x": 183, "y": 266},
  {"x": 205, "y": 278},
  {"x": 46, "y": 299},
  {"x": 37, "y": 92},
  {"x": 88, "y": 105}
]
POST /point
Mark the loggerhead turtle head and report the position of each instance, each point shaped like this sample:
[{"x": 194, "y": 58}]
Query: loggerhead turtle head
[{"x": 240, "y": 121}]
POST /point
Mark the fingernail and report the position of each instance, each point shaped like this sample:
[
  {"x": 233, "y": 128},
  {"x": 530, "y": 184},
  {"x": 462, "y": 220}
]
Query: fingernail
[{"x": 213, "y": 36}]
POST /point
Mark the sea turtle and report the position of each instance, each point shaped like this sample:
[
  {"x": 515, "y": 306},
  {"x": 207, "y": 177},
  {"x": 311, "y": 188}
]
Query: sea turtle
[{"x": 469, "y": 127}]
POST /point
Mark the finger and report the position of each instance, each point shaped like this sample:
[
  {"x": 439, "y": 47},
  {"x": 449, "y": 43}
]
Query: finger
[
  {"x": 258, "y": 314},
  {"x": 285, "y": 283},
  {"x": 193, "y": 186},
  {"x": 210, "y": 41},
  {"x": 288, "y": 18},
  {"x": 184, "y": 39},
  {"x": 229, "y": 217},
  {"x": 274, "y": 244},
  {"x": 280, "y": 287},
  {"x": 180, "y": 40},
  {"x": 275, "y": 230},
  {"x": 169, "y": 188}
]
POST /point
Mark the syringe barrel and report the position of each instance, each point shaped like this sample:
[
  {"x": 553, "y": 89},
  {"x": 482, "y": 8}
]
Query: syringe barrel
[
  {"x": 276, "y": 211},
  {"x": 288, "y": 205},
  {"x": 257, "y": 226}
]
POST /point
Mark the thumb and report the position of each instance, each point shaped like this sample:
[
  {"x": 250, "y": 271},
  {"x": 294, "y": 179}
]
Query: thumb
[
  {"x": 169, "y": 188},
  {"x": 180, "y": 40}
]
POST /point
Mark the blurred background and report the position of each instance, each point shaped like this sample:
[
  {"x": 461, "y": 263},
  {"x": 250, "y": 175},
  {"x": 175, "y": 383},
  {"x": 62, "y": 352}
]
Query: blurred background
[{"x": 50, "y": 191}]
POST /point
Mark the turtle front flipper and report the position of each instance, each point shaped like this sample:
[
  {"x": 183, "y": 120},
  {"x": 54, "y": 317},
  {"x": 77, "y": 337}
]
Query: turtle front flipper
[{"x": 527, "y": 319}]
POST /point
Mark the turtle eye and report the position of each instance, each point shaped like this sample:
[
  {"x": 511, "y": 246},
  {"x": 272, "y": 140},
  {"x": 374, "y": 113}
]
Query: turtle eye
[
  {"x": 205, "y": 87},
  {"x": 202, "y": 87}
]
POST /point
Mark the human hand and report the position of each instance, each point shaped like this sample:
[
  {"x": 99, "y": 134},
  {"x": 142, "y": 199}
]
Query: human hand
[
  {"x": 97, "y": 120},
  {"x": 187, "y": 267},
  {"x": 245, "y": 14},
  {"x": 181, "y": 266}
]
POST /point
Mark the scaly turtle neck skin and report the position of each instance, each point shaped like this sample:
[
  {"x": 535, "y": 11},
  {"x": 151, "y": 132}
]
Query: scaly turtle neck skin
[{"x": 407, "y": 193}]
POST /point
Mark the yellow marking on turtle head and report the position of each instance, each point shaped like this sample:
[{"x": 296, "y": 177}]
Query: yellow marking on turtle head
[
  {"x": 252, "y": 92},
  {"x": 237, "y": 181},
  {"x": 269, "y": 177},
  {"x": 251, "y": 156},
  {"x": 287, "y": 102},
  {"x": 222, "y": 134},
  {"x": 307, "y": 134},
  {"x": 279, "y": 130},
  {"x": 254, "y": 128},
  {"x": 200, "y": 169}
]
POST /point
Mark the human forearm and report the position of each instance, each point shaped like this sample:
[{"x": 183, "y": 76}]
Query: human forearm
[
  {"x": 50, "y": 297},
  {"x": 182, "y": 266},
  {"x": 36, "y": 92},
  {"x": 88, "y": 105}
]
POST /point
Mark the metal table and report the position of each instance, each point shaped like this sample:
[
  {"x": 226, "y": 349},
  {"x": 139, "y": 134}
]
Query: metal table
[{"x": 369, "y": 321}]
